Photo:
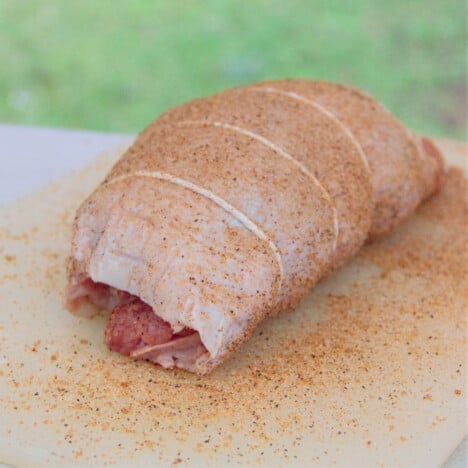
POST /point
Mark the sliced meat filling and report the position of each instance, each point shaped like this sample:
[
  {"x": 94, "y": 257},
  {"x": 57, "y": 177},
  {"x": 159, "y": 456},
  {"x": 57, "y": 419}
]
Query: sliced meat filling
[{"x": 134, "y": 329}]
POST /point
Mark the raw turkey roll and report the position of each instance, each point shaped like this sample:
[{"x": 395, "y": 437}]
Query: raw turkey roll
[{"x": 228, "y": 209}]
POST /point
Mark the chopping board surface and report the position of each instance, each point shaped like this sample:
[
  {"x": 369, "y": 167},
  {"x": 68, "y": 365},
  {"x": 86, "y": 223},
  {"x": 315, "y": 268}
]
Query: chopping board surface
[{"x": 369, "y": 370}]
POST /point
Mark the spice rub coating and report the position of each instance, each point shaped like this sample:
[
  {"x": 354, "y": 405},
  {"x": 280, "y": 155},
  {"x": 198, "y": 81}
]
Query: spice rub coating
[{"x": 228, "y": 209}]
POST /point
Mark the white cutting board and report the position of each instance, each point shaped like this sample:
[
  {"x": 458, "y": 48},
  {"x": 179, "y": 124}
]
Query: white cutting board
[{"x": 369, "y": 371}]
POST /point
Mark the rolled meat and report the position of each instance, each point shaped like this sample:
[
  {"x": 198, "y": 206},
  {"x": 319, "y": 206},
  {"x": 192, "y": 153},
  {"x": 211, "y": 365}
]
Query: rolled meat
[{"x": 228, "y": 209}]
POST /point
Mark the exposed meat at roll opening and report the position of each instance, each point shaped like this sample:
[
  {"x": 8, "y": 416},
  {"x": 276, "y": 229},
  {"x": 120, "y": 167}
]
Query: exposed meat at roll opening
[{"x": 134, "y": 329}]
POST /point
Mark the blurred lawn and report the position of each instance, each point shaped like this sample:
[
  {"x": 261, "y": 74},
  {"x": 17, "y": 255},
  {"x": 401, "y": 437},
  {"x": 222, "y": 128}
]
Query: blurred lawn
[{"x": 114, "y": 65}]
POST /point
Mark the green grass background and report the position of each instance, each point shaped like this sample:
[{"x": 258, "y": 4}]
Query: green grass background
[{"x": 114, "y": 64}]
